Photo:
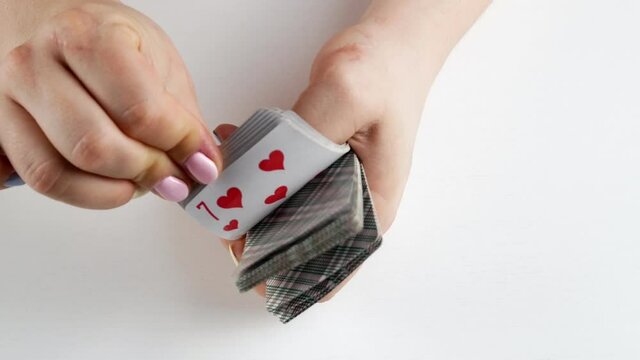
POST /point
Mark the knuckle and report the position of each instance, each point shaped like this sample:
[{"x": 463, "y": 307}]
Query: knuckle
[
  {"x": 45, "y": 177},
  {"x": 18, "y": 64},
  {"x": 74, "y": 30},
  {"x": 186, "y": 144},
  {"x": 119, "y": 32},
  {"x": 90, "y": 153},
  {"x": 152, "y": 170},
  {"x": 344, "y": 85},
  {"x": 89, "y": 27},
  {"x": 344, "y": 73},
  {"x": 353, "y": 52},
  {"x": 140, "y": 118},
  {"x": 117, "y": 199}
]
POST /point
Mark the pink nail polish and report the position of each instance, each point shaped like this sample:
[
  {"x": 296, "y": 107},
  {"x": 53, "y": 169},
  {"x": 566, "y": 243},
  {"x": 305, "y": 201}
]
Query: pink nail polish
[
  {"x": 172, "y": 189},
  {"x": 202, "y": 168}
]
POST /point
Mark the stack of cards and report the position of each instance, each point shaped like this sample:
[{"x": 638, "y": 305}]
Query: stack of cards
[
  {"x": 303, "y": 203},
  {"x": 333, "y": 238},
  {"x": 269, "y": 158}
]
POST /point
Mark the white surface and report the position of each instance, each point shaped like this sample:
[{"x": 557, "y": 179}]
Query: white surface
[{"x": 518, "y": 239}]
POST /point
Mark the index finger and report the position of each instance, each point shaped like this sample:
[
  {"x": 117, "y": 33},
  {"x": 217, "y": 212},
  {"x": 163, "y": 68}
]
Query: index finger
[{"x": 111, "y": 60}]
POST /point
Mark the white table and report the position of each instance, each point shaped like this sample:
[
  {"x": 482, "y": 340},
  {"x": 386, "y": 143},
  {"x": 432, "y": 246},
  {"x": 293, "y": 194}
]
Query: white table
[{"x": 518, "y": 237}]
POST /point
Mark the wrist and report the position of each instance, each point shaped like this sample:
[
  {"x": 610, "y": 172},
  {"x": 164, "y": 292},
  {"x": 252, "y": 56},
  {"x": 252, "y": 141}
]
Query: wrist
[
  {"x": 404, "y": 61},
  {"x": 421, "y": 33}
]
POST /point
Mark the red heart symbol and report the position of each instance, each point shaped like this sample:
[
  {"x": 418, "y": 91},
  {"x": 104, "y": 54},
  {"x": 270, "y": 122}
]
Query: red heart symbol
[
  {"x": 233, "y": 225},
  {"x": 278, "y": 195},
  {"x": 274, "y": 162},
  {"x": 233, "y": 199}
]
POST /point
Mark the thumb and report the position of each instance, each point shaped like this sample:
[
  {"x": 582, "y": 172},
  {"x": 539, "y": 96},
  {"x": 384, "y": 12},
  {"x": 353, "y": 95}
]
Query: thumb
[
  {"x": 329, "y": 111},
  {"x": 346, "y": 109}
]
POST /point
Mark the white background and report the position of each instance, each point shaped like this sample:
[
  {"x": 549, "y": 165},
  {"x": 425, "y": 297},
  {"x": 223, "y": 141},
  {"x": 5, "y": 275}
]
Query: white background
[{"x": 518, "y": 237}]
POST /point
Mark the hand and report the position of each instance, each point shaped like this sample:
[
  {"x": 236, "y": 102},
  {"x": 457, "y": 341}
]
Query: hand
[
  {"x": 97, "y": 105},
  {"x": 368, "y": 87},
  {"x": 365, "y": 95}
]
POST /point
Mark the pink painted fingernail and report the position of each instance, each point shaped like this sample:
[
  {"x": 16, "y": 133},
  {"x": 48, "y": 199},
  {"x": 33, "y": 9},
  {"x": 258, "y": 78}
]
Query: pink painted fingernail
[
  {"x": 172, "y": 189},
  {"x": 202, "y": 168}
]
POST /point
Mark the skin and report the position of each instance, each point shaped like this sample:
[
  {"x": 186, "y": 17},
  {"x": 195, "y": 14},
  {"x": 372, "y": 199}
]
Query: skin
[
  {"x": 95, "y": 102},
  {"x": 368, "y": 86},
  {"x": 62, "y": 59}
]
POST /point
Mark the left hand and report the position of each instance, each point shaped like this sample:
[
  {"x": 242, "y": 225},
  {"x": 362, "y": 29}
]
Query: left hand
[
  {"x": 364, "y": 94},
  {"x": 368, "y": 87}
]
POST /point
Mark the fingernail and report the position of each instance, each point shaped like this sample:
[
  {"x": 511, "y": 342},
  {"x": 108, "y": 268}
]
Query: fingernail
[
  {"x": 13, "y": 181},
  {"x": 202, "y": 168},
  {"x": 172, "y": 189},
  {"x": 233, "y": 254},
  {"x": 217, "y": 138}
]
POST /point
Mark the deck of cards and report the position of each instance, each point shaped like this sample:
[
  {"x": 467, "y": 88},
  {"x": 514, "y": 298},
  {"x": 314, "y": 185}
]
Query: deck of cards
[{"x": 303, "y": 204}]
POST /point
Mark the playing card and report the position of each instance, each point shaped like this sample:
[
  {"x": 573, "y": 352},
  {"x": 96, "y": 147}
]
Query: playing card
[
  {"x": 291, "y": 292},
  {"x": 322, "y": 214},
  {"x": 304, "y": 202},
  {"x": 267, "y": 160}
]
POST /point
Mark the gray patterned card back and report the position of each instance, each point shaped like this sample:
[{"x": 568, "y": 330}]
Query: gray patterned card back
[
  {"x": 291, "y": 292},
  {"x": 321, "y": 215}
]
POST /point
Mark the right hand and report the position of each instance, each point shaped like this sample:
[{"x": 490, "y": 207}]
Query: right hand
[{"x": 98, "y": 106}]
